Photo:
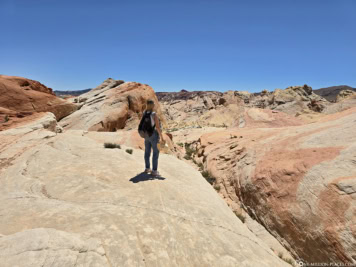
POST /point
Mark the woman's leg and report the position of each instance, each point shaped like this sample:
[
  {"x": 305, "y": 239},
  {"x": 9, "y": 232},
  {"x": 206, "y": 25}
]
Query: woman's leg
[
  {"x": 155, "y": 141},
  {"x": 147, "y": 153}
]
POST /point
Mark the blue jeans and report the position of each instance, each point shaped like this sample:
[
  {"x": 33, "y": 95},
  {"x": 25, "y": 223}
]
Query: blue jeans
[{"x": 151, "y": 142}]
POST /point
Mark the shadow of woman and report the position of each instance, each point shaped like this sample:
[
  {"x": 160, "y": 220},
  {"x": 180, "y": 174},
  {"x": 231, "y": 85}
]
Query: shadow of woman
[{"x": 141, "y": 177}]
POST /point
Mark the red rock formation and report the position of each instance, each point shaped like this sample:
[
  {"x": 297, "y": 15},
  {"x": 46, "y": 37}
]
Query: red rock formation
[{"x": 21, "y": 97}]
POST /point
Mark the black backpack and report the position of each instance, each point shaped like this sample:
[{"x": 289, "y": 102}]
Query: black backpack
[{"x": 145, "y": 128}]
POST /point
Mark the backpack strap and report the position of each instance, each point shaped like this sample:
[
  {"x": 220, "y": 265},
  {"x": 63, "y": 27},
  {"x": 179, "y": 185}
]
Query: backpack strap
[{"x": 153, "y": 122}]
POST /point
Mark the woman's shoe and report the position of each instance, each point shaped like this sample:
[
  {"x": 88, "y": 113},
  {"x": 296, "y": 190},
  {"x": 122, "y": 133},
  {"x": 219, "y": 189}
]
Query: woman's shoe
[
  {"x": 147, "y": 170},
  {"x": 155, "y": 173}
]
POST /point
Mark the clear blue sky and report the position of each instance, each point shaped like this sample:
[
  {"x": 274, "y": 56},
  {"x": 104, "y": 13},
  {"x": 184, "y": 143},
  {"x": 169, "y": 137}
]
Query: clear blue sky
[{"x": 175, "y": 44}]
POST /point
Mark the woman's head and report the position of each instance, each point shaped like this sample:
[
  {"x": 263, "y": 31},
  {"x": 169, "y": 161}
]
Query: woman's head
[{"x": 150, "y": 104}]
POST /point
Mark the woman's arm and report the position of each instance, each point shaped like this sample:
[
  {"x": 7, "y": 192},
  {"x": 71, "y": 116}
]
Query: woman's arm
[{"x": 158, "y": 127}]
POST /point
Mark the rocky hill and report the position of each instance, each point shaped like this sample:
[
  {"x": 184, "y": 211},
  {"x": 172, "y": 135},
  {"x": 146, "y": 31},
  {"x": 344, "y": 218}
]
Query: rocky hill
[
  {"x": 331, "y": 93},
  {"x": 67, "y": 200},
  {"x": 111, "y": 106}
]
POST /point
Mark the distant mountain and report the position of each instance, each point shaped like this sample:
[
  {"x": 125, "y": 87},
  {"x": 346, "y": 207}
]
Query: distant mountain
[
  {"x": 72, "y": 93},
  {"x": 330, "y": 93}
]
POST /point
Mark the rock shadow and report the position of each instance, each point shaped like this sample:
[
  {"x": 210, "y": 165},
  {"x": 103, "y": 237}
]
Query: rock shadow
[{"x": 141, "y": 177}]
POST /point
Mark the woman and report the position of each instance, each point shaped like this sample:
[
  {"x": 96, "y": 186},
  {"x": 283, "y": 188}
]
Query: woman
[{"x": 150, "y": 125}]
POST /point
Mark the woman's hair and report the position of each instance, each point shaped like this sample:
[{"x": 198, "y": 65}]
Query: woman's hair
[{"x": 150, "y": 102}]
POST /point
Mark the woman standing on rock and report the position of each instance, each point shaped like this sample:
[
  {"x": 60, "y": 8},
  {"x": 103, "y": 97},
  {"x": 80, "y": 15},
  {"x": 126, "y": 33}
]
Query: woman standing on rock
[{"x": 150, "y": 129}]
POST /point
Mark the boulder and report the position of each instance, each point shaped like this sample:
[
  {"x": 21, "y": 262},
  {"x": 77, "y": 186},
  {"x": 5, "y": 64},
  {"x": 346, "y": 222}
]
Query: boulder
[{"x": 111, "y": 106}]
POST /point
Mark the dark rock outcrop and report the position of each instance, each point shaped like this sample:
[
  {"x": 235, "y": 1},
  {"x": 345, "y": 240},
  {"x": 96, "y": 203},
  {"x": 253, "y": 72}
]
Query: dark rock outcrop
[{"x": 331, "y": 93}]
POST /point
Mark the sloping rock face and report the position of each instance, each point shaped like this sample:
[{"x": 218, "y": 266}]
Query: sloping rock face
[
  {"x": 298, "y": 182},
  {"x": 21, "y": 97},
  {"x": 68, "y": 201},
  {"x": 111, "y": 106}
]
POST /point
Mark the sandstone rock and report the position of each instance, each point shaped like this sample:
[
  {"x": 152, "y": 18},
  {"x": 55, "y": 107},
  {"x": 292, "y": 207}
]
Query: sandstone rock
[
  {"x": 344, "y": 103},
  {"x": 25, "y": 136},
  {"x": 22, "y": 97},
  {"x": 111, "y": 106},
  {"x": 298, "y": 182},
  {"x": 50, "y": 247},
  {"x": 294, "y": 99},
  {"x": 129, "y": 138},
  {"x": 82, "y": 99},
  {"x": 67, "y": 200},
  {"x": 10, "y": 118},
  {"x": 200, "y": 109},
  {"x": 244, "y": 95},
  {"x": 291, "y": 100},
  {"x": 265, "y": 118},
  {"x": 264, "y": 92},
  {"x": 59, "y": 129}
]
